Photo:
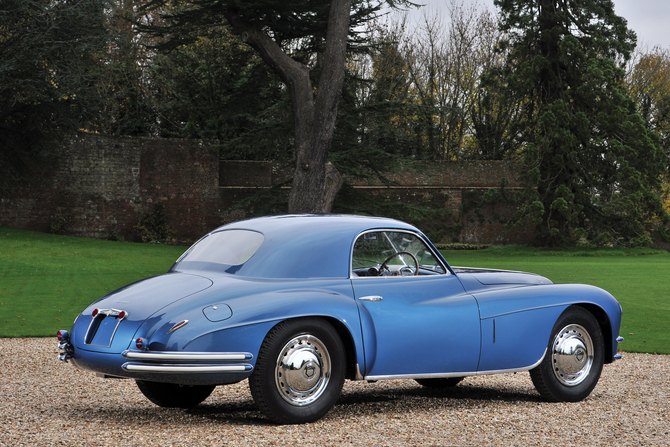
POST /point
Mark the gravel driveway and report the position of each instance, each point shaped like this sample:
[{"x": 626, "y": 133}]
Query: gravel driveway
[{"x": 47, "y": 402}]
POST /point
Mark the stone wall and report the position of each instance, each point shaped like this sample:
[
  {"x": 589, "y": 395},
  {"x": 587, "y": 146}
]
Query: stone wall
[{"x": 103, "y": 186}]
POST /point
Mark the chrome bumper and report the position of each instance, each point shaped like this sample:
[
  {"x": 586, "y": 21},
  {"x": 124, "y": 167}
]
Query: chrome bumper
[
  {"x": 66, "y": 350},
  {"x": 187, "y": 362}
]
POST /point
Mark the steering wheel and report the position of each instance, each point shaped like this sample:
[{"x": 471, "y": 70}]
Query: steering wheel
[{"x": 416, "y": 263}]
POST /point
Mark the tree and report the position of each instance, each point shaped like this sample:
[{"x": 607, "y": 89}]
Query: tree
[
  {"x": 122, "y": 80},
  {"x": 593, "y": 169},
  {"x": 49, "y": 54},
  {"x": 495, "y": 110},
  {"x": 298, "y": 39},
  {"x": 384, "y": 108},
  {"x": 424, "y": 96},
  {"x": 216, "y": 87},
  {"x": 649, "y": 86}
]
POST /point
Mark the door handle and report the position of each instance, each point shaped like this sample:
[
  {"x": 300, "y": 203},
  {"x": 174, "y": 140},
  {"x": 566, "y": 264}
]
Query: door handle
[{"x": 371, "y": 298}]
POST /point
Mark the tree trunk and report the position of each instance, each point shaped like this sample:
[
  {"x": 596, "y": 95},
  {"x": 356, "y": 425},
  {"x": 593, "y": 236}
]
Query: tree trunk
[{"x": 314, "y": 184}]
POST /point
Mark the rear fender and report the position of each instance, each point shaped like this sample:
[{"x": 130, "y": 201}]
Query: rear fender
[{"x": 253, "y": 316}]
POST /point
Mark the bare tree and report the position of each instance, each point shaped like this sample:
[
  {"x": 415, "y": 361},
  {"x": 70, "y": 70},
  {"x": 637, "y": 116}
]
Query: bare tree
[{"x": 446, "y": 60}]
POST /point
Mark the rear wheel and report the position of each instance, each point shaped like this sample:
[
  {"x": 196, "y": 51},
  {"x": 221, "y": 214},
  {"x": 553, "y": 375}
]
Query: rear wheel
[
  {"x": 574, "y": 359},
  {"x": 299, "y": 372},
  {"x": 171, "y": 395},
  {"x": 445, "y": 382}
]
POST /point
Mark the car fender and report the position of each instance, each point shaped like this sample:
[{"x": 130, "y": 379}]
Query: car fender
[
  {"x": 517, "y": 322},
  {"x": 252, "y": 316}
]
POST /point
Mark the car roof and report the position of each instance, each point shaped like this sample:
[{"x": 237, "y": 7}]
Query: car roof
[
  {"x": 307, "y": 245},
  {"x": 317, "y": 223}
]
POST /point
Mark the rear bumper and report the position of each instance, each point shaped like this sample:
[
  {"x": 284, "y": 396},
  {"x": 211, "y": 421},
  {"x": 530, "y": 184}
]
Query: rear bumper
[
  {"x": 185, "y": 368},
  {"x": 187, "y": 362}
]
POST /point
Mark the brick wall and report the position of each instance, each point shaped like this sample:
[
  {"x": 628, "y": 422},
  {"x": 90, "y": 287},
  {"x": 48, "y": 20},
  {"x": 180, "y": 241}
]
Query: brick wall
[{"x": 102, "y": 186}]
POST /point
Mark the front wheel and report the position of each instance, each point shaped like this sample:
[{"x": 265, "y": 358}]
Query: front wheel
[
  {"x": 171, "y": 395},
  {"x": 574, "y": 359},
  {"x": 299, "y": 372}
]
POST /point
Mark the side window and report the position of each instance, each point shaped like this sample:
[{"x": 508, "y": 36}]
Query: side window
[{"x": 393, "y": 253}]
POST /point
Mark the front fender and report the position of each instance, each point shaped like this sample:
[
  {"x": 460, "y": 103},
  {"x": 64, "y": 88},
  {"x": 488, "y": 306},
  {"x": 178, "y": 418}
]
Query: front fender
[{"x": 517, "y": 322}]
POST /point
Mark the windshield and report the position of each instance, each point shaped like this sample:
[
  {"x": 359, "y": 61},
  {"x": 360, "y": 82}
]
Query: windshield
[{"x": 229, "y": 247}]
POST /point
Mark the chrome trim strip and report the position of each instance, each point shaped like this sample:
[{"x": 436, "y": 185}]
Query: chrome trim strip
[
  {"x": 421, "y": 376},
  {"x": 179, "y": 325},
  {"x": 359, "y": 376},
  {"x": 144, "y": 367},
  {"x": 458, "y": 374},
  {"x": 513, "y": 370},
  {"x": 187, "y": 356}
]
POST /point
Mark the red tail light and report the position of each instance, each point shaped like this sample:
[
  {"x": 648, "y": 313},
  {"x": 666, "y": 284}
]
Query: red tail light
[
  {"x": 94, "y": 313},
  {"x": 122, "y": 315},
  {"x": 140, "y": 343},
  {"x": 62, "y": 335}
]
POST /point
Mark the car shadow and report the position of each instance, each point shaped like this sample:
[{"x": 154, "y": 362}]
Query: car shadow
[
  {"x": 362, "y": 400},
  {"x": 467, "y": 392}
]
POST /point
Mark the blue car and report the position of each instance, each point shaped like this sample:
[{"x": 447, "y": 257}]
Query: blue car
[{"x": 296, "y": 304}]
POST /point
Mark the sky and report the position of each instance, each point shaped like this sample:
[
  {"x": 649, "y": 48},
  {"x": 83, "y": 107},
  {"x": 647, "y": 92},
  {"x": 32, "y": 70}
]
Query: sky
[{"x": 650, "y": 19}]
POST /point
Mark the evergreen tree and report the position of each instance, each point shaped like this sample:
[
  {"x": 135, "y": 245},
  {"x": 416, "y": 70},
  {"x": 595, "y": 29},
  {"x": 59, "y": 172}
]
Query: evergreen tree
[
  {"x": 301, "y": 41},
  {"x": 122, "y": 82},
  {"x": 215, "y": 87},
  {"x": 593, "y": 169},
  {"x": 49, "y": 59}
]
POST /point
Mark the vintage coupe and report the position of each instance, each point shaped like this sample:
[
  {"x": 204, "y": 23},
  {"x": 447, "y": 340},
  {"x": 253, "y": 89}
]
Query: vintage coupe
[{"x": 299, "y": 303}]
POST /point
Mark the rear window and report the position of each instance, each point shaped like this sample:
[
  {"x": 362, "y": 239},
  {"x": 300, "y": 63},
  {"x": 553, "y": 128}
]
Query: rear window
[{"x": 230, "y": 247}]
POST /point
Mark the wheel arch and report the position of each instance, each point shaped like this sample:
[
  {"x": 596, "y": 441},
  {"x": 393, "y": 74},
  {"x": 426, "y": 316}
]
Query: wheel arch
[
  {"x": 345, "y": 336},
  {"x": 349, "y": 347},
  {"x": 605, "y": 327}
]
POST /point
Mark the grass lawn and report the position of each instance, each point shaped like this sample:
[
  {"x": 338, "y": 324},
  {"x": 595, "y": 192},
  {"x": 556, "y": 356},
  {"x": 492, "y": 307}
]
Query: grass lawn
[{"x": 45, "y": 280}]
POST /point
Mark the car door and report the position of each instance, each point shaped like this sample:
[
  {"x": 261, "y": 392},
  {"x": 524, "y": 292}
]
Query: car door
[{"x": 413, "y": 324}]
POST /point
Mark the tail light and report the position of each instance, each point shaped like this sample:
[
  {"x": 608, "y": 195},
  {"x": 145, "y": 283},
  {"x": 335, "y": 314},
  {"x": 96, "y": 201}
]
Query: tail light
[
  {"x": 63, "y": 335},
  {"x": 140, "y": 343}
]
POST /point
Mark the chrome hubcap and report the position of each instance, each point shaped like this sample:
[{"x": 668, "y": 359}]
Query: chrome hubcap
[
  {"x": 572, "y": 355},
  {"x": 302, "y": 372}
]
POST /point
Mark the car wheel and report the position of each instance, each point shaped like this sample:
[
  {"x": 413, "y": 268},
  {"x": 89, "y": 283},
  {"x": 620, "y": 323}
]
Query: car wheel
[
  {"x": 574, "y": 360},
  {"x": 445, "y": 382},
  {"x": 171, "y": 395},
  {"x": 299, "y": 371}
]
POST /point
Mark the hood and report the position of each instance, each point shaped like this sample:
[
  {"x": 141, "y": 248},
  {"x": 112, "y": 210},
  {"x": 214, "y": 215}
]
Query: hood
[
  {"x": 138, "y": 301},
  {"x": 477, "y": 278}
]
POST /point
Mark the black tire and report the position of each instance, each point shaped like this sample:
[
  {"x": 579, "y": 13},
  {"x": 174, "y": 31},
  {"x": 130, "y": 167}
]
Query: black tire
[
  {"x": 443, "y": 382},
  {"x": 171, "y": 395},
  {"x": 574, "y": 359},
  {"x": 299, "y": 371}
]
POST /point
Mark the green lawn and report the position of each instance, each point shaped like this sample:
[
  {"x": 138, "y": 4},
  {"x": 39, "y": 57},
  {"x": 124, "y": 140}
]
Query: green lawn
[{"x": 45, "y": 280}]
